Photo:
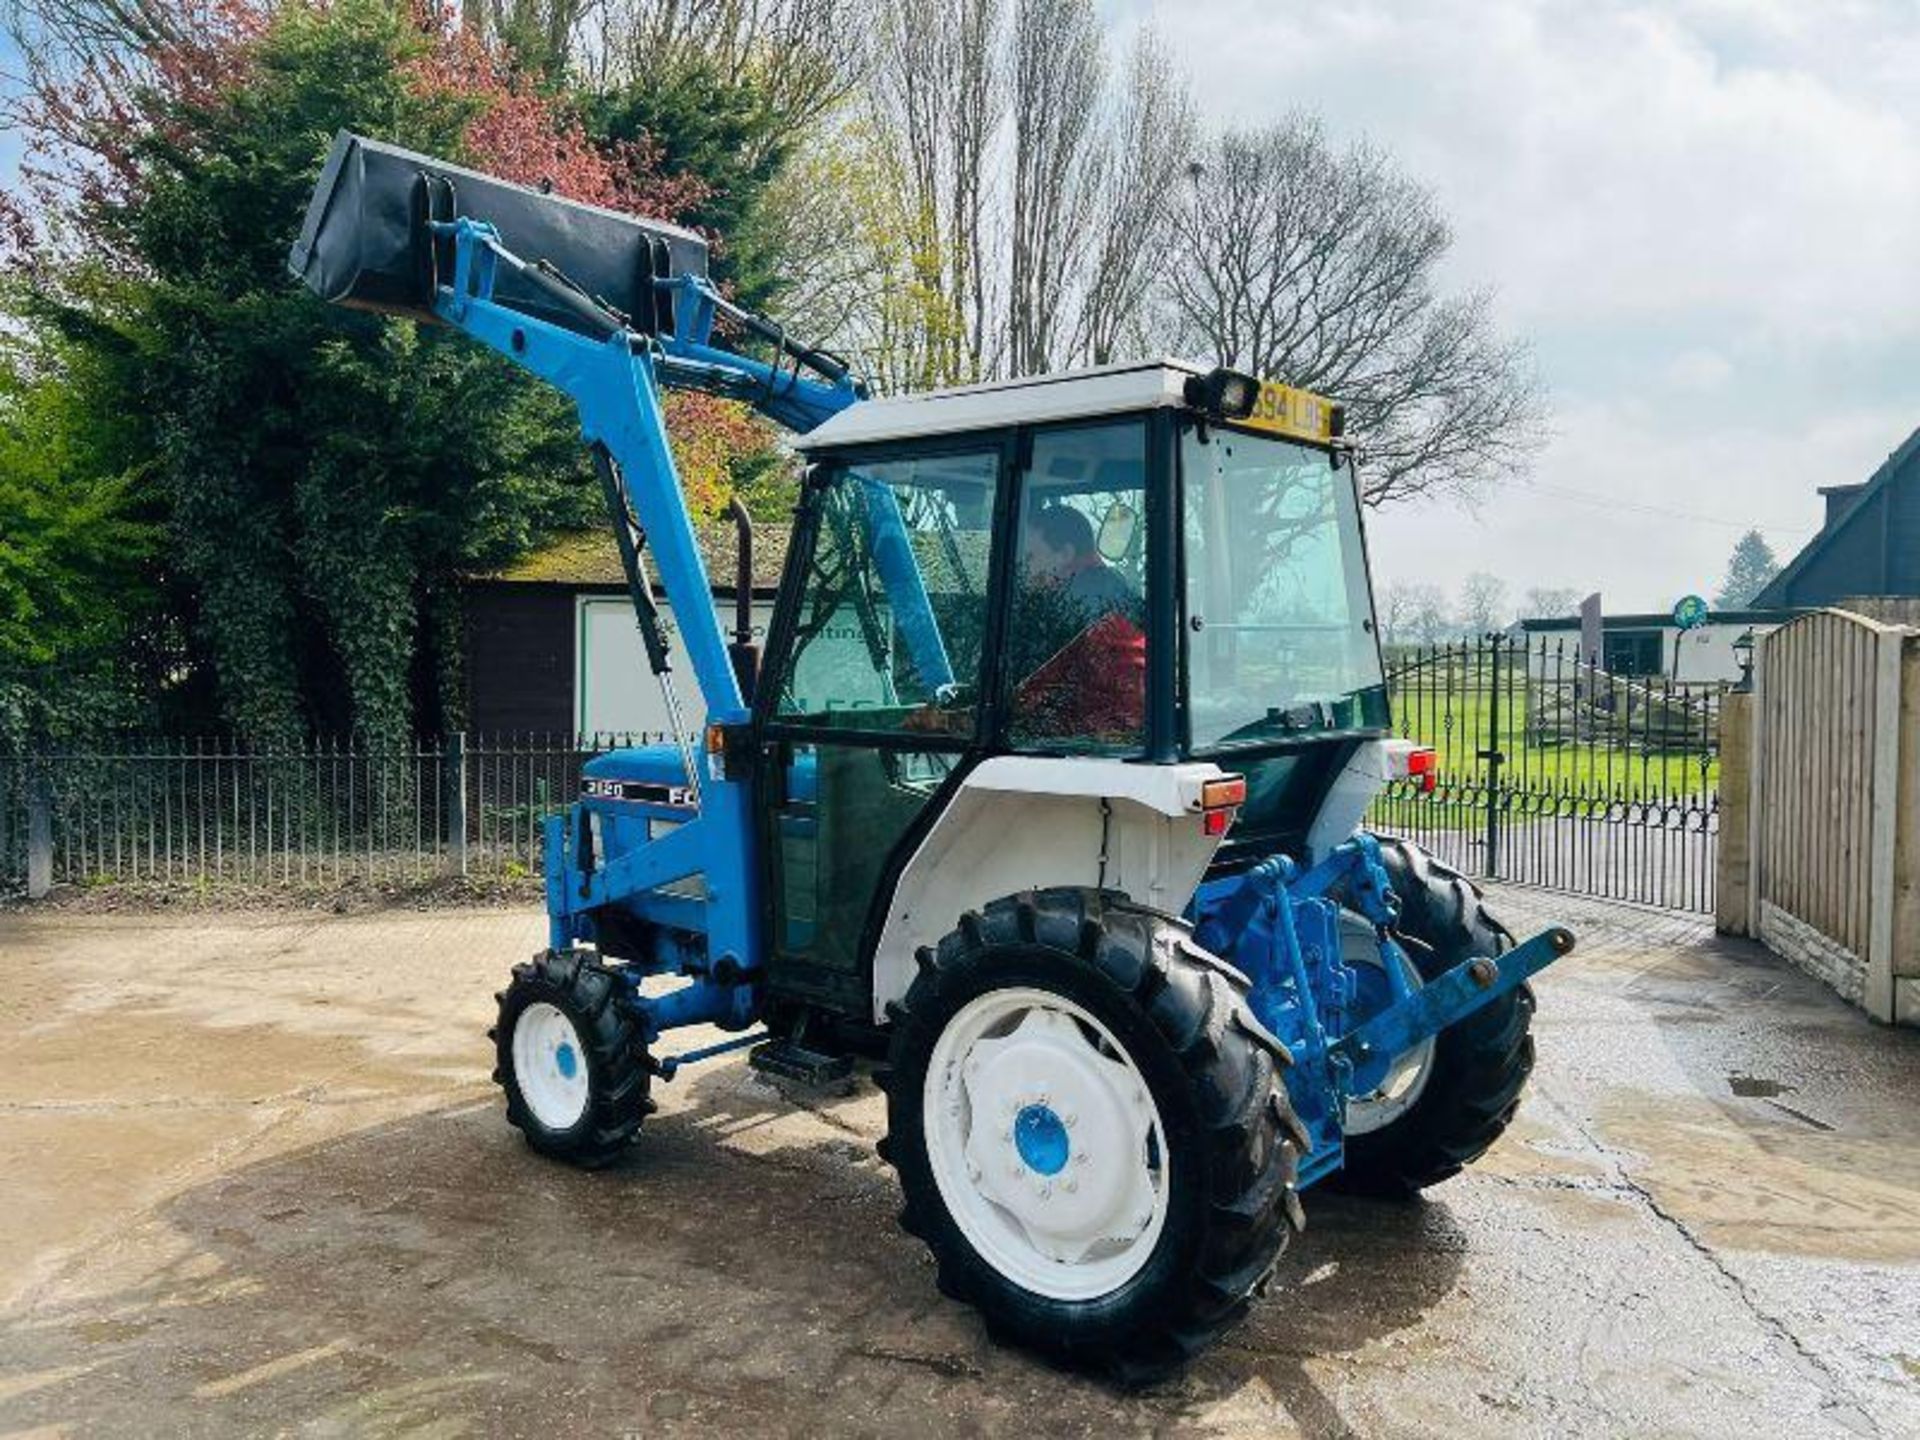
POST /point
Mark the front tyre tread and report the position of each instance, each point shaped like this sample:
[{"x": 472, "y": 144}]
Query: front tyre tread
[{"x": 619, "y": 1072}]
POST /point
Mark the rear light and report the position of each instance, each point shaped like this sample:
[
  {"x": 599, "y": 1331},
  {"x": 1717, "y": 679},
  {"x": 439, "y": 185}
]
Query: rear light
[
  {"x": 1424, "y": 766},
  {"x": 1224, "y": 794},
  {"x": 1219, "y": 800}
]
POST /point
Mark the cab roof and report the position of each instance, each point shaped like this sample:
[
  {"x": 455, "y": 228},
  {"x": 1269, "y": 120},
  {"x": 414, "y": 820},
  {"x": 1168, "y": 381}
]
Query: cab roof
[{"x": 1069, "y": 395}]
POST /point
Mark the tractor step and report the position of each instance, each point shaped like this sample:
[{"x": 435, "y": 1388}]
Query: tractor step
[{"x": 785, "y": 1060}]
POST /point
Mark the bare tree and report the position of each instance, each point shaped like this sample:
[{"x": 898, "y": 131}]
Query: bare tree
[
  {"x": 1013, "y": 184},
  {"x": 1058, "y": 69},
  {"x": 1395, "y": 610},
  {"x": 930, "y": 114},
  {"x": 1151, "y": 141},
  {"x": 1319, "y": 266},
  {"x": 1428, "y": 619},
  {"x": 1550, "y": 602},
  {"x": 1483, "y": 603},
  {"x": 804, "y": 55},
  {"x": 542, "y": 33}
]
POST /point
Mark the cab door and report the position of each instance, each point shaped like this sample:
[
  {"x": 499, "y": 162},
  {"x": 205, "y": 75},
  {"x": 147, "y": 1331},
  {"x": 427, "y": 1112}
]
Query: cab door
[{"x": 874, "y": 696}]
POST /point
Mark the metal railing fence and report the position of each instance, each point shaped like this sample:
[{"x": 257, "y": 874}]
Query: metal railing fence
[
  {"x": 1550, "y": 772},
  {"x": 1555, "y": 773},
  {"x": 329, "y": 812}
]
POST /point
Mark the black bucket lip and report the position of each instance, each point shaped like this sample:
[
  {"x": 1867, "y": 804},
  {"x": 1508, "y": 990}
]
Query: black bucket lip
[{"x": 350, "y": 145}]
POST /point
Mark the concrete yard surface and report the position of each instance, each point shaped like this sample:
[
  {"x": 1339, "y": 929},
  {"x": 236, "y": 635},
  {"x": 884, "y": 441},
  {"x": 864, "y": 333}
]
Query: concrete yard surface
[{"x": 254, "y": 1180}]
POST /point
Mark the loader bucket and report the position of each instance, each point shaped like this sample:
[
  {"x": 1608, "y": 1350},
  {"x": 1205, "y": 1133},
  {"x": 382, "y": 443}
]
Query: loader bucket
[{"x": 366, "y": 243}]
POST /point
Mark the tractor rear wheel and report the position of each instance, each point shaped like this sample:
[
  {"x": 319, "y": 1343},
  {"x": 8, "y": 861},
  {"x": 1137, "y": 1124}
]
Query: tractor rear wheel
[
  {"x": 1091, "y": 1130},
  {"x": 1464, "y": 1094},
  {"x": 571, "y": 1059}
]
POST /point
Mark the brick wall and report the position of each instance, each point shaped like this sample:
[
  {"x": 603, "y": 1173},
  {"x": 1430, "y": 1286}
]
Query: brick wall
[{"x": 1823, "y": 958}]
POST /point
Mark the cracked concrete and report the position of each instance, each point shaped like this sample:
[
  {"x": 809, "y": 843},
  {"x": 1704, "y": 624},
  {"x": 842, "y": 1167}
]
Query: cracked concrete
[{"x": 255, "y": 1180}]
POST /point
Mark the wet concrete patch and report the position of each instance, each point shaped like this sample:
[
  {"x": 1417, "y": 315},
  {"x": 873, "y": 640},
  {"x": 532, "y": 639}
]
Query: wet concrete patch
[{"x": 1773, "y": 1184}]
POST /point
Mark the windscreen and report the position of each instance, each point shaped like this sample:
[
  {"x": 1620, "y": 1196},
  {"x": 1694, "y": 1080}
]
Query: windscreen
[{"x": 1279, "y": 620}]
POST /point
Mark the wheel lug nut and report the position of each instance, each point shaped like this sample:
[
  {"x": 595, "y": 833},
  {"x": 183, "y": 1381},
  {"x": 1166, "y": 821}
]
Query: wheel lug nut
[{"x": 1072, "y": 1185}]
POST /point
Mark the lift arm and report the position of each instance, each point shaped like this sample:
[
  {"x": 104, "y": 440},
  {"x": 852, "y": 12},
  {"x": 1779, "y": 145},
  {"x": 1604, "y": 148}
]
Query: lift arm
[{"x": 614, "y": 377}]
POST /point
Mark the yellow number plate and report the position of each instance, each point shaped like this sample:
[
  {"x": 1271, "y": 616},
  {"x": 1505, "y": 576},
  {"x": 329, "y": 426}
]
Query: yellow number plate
[{"x": 1297, "y": 414}]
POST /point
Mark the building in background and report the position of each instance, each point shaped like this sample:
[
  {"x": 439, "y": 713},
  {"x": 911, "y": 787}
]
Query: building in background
[
  {"x": 1866, "y": 557},
  {"x": 1652, "y": 647},
  {"x": 552, "y": 644}
]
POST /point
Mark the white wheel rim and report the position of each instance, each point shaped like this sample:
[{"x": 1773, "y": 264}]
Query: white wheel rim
[
  {"x": 1406, "y": 1079},
  {"x": 550, "y": 1066},
  {"x": 1046, "y": 1144}
]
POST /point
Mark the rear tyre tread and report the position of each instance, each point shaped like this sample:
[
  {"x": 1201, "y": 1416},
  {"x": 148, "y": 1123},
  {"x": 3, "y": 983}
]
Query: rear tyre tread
[{"x": 1480, "y": 1066}]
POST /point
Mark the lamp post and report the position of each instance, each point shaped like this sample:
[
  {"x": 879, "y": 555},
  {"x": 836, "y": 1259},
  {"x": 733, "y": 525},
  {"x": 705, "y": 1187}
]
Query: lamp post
[{"x": 1743, "y": 652}]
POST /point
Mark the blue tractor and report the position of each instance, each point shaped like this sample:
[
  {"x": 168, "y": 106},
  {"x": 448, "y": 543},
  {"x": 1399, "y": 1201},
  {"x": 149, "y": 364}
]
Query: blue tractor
[{"x": 1044, "y": 800}]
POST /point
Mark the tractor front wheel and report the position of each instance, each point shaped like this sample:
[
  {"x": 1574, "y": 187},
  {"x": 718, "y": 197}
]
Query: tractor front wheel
[
  {"x": 1091, "y": 1131},
  {"x": 571, "y": 1059}
]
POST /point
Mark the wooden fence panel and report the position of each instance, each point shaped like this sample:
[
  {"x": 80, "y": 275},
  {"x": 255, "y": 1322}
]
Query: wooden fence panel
[{"x": 1834, "y": 773}]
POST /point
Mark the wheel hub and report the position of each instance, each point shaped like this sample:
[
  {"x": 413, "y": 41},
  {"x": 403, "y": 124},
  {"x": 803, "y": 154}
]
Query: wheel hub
[
  {"x": 1041, "y": 1138},
  {"x": 548, "y": 1066},
  {"x": 1060, "y": 1173},
  {"x": 1384, "y": 1087}
]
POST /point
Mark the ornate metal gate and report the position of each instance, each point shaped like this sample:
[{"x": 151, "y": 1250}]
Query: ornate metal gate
[{"x": 1555, "y": 773}]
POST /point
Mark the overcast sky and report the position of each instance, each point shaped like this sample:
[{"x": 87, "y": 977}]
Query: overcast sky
[{"x": 1704, "y": 215}]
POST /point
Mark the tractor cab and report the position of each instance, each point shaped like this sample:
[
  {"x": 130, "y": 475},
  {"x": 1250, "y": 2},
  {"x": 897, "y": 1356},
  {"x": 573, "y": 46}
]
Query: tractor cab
[{"x": 1136, "y": 566}]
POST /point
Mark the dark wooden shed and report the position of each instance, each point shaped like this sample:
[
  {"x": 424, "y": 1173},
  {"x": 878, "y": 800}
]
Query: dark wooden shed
[{"x": 524, "y": 661}]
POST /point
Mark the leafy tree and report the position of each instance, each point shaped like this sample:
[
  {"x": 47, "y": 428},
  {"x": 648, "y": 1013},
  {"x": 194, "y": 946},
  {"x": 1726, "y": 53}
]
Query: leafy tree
[
  {"x": 326, "y": 474},
  {"x": 78, "y": 537},
  {"x": 1749, "y": 569},
  {"x": 78, "y": 548},
  {"x": 727, "y": 133}
]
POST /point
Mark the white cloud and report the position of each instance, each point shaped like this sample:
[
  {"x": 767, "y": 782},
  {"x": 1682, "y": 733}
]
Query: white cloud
[{"x": 1699, "y": 369}]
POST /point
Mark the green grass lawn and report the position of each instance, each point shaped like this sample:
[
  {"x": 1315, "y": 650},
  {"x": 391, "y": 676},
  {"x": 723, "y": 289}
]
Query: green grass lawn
[{"x": 1614, "y": 758}]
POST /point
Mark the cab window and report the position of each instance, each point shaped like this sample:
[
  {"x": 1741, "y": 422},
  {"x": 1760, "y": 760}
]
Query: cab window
[
  {"x": 1076, "y": 638},
  {"x": 893, "y": 609}
]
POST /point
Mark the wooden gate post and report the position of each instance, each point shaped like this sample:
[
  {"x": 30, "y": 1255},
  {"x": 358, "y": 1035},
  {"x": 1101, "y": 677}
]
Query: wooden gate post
[
  {"x": 1881, "y": 875},
  {"x": 1906, "y": 845},
  {"x": 1757, "y": 826},
  {"x": 1734, "y": 862}
]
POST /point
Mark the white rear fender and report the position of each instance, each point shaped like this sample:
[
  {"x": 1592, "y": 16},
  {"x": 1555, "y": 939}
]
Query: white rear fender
[
  {"x": 1372, "y": 767},
  {"x": 1028, "y": 822}
]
